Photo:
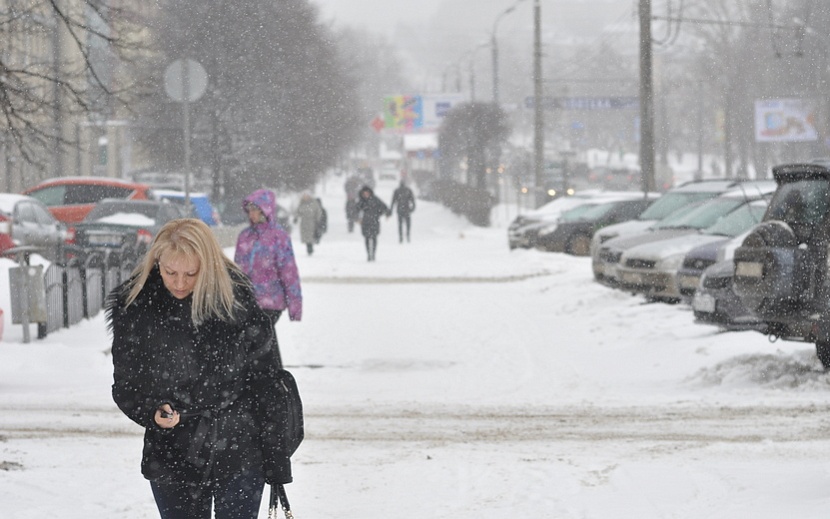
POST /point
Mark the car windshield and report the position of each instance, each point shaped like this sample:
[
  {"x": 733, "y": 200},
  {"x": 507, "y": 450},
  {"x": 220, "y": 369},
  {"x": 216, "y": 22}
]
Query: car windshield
[
  {"x": 597, "y": 211},
  {"x": 801, "y": 202},
  {"x": 702, "y": 216},
  {"x": 739, "y": 220},
  {"x": 671, "y": 202}
]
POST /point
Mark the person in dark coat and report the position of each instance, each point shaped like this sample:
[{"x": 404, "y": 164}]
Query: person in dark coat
[
  {"x": 194, "y": 365},
  {"x": 371, "y": 208},
  {"x": 405, "y": 200}
]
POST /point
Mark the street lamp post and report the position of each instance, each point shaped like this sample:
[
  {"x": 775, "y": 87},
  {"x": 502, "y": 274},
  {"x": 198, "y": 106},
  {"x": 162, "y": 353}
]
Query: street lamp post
[{"x": 495, "y": 49}]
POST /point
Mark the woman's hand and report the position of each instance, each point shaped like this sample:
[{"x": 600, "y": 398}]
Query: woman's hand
[{"x": 166, "y": 417}]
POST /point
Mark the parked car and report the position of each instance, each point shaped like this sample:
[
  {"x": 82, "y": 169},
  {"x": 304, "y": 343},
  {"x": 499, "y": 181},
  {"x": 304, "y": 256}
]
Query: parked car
[
  {"x": 524, "y": 229},
  {"x": 781, "y": 268},
  {"x": 70, "y": 199},
  {"x": 715, "y": 301},
  {"x": 202, "y": 207},
  {"x": 25, "y": 222},
  {"x": 702, "y": 257},
  {"x": 669, "y": 203},
  {"x": 128, "y": 226},
  {"x": 687, "y": 213},
  {"x": 573, "y": 232},
  {"x": 651, "y": 269}
]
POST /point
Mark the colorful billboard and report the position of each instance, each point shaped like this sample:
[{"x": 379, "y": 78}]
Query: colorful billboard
[
  {"x": 785, "y": 120},
  {"x": 416, "y": 113}
]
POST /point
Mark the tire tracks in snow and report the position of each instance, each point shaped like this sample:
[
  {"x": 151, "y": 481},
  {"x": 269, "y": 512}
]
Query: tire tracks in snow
[{"x": 470, "y": 425}]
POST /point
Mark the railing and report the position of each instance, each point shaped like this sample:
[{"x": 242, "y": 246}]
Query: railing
[{"x": 72, "y": 289}]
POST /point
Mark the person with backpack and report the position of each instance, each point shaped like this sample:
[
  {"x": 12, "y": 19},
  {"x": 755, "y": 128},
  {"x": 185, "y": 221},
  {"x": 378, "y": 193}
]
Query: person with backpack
[
  {"x": 405, "y": 200},
  {"x": 371, "y": 208},
  {"x": 194, "y": 365}
]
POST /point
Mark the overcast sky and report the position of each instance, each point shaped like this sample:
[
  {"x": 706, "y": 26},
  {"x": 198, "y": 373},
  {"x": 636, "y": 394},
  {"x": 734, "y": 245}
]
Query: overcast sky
[{"x": 378, "y": 15}]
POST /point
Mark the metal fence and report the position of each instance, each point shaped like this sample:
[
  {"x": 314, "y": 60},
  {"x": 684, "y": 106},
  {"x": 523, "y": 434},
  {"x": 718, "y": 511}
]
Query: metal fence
[{"x": 74, "y": 289}]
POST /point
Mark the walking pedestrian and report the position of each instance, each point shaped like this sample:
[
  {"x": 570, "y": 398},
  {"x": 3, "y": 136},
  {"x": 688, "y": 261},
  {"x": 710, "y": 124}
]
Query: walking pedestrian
[
  {"x": 322, "y": 223},
  {"x": 405, "y": 200},
  {"x": 194, "y": 365},
  {"x": 371, "y": 208},
  {"x": 308, "y": 214},
  {"x": 265, "y": 254}
]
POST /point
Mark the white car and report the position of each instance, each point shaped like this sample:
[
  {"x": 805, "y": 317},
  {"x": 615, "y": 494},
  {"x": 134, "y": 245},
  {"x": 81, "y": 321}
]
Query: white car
[{"x": 604, "y": 260}]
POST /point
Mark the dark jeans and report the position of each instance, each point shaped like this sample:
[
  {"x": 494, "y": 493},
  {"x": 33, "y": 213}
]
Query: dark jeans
[
  {"x": 404, "y": 220},
  {"x": 309, "y": 247},
  {"x": 234, "y": 496},
  {"x": 371, "y": 246}
]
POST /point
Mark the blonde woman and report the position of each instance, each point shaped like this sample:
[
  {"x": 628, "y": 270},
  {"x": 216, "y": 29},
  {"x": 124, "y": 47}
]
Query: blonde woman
[{"x": 194, "y": 365}]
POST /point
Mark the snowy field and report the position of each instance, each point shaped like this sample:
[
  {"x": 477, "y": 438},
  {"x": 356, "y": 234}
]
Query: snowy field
[{"x": 453, "y": 378}]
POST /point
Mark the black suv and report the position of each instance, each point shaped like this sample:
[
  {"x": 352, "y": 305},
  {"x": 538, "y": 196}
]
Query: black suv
[{"x": 782, "y": 265}]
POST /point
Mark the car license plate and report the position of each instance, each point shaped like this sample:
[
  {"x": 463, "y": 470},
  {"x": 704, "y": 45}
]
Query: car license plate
[
  {"x": 103, "y": 239},
  {"x": 633, "y": 278},
  {"x": 749, "y": 269},
  {"x": 704, "y": 303},
  {"x": 689, "y": 281},
  {"x": 610, "y": 270}
]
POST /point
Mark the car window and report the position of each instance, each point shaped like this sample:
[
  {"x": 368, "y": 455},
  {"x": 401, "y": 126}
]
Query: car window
[
  {"x": 702, "y": 216},
  {"x": 671, "y": 202},
  {"x": 90, "y": 194},
  {"x": 597, "y": 211},
  {"x": 739, "y": 220},
  {"x": 42, "y": 215},
  {"x": 49, "y": 196},
  {"x": 801, "y": 202},
  {"x": 576, "y": 213},
  {"x": 26, "y": 213}
]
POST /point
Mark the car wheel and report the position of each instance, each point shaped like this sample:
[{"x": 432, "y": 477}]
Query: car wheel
[
  {"x": 823, "y": 353},
  {"x": 579, "y": 245}
]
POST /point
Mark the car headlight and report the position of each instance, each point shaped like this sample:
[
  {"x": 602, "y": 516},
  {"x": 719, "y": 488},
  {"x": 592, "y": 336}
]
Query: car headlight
[
  {"x": 605, "y": 237},
  {"x": 671, "y": 263},
  {"x": 547, "y": 229}
]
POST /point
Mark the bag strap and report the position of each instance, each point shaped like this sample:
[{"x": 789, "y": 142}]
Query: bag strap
[{"x": 278, "y": 494}]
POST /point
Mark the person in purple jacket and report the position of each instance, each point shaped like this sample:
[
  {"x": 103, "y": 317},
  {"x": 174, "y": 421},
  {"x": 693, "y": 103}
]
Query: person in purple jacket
[{"x": 264, "y": 252}]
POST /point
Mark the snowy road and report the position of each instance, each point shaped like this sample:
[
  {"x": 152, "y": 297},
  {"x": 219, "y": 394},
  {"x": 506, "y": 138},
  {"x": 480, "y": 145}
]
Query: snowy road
[{"x": 455, "y": 379}]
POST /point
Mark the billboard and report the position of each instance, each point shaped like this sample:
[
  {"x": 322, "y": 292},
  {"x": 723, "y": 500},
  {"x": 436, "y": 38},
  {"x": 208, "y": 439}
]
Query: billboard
[
  {"x": 785, "y": 120},
  {"x": 416, "y": 113}
]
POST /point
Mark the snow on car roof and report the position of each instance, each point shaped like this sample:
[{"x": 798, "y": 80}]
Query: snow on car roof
[
  {"x": 8, "y": 201},
  {"x": 132, "y": 219}
]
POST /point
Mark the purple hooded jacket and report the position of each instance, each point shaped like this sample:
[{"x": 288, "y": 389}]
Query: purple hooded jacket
[{"x": 265, "y": 254}]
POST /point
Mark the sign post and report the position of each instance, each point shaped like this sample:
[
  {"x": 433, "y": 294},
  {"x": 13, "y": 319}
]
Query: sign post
[{"x": 185, "y": 81}]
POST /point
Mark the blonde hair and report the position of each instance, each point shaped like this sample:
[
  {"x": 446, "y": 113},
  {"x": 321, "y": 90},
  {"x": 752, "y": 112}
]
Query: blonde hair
[{"x": 190, "y": 238}]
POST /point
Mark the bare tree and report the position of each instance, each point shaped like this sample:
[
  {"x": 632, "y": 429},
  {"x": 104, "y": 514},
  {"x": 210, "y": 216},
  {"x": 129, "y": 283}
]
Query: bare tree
[
  {"x": 279, "y": 107},
  {"x": 52, "y": 75}
]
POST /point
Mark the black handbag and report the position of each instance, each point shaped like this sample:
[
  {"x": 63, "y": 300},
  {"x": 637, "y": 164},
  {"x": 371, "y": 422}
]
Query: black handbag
[{"x": 278, "y": 496}]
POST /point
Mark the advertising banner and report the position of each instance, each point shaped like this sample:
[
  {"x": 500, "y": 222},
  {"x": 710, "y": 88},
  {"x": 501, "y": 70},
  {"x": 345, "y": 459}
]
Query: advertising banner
[
  {"x": 417, "y": 113},
  {"x": 785, "y": 120}
]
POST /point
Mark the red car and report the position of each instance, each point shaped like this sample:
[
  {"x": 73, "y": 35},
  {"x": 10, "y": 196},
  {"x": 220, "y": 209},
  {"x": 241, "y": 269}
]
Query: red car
[{"x": 70, "y": 199}]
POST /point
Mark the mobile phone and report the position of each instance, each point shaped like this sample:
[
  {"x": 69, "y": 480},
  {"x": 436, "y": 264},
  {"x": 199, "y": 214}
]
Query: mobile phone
[{"x": 165, "y": 414}]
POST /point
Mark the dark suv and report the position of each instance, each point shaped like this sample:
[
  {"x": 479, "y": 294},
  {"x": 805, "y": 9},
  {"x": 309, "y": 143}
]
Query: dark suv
[{"x": 781, "y": 267}]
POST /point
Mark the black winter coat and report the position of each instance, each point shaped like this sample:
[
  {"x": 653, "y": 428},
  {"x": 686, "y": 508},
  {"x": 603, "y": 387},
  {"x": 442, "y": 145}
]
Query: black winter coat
[
  {"x": 371, "y": 209},
  {"x": 405, "y": 200},
  {"x": 219, "y": 376}
]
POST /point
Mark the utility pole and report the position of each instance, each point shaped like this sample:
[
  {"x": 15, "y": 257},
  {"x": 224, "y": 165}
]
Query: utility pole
[
  {"x": 539, "y": 122},
  {"x": 646, "y": 100}
]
